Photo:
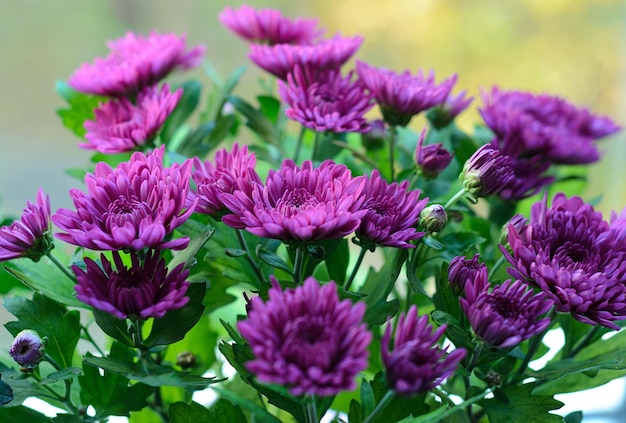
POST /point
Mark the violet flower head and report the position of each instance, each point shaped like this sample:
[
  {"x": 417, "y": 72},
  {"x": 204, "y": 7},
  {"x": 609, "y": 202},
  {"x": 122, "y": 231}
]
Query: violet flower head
[
  {"x": 330, "y": 103},
  {"x": 416, "y": 363},
  {"x": 392, "y": 214},
  {"x": 487, "y": 172},
  {"x": 232, "y": 170},
  {"x": 28, "y": 349},
  {"x": 281, "y": 59},
  {"x": 146, "y": 289},
  {"x": 135, "y": 62},
  {"x": 268, "y": 26},
  {"x": 507, "y": 314},
  {"x": 121, "y": 126},
  {"x": 131, "y": 207},
  {"x": 300, "y": 205},
  {"x": 543, "y": 125},
  {"x": 462, "y": 270},
  {"x": 431, "y": 159},
  {"x": 402, "y": 96},
  {"x": 441, "y": 115},
  {"x": 306, "y": 339},
  {"x": 31, "y": 235},
  {"x": 575, "y": 257}
]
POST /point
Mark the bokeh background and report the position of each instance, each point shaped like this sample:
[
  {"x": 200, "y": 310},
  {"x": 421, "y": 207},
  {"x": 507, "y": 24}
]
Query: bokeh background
[{"x": 572, "y": 48}]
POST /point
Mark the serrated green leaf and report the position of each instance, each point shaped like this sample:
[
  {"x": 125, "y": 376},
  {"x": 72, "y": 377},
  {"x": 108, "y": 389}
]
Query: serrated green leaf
[
  {"x": 23, "y": 388},
  {"x": 225, "y": 411},
  {"x": 114, "y": 327},
  {"x": 69, "y": 373},
  {"x": 273, "y": 260},
  {"x": 81, "y": 108},
  {"x": 523, "y": 406},
  {"x": 199, "y": 236}
]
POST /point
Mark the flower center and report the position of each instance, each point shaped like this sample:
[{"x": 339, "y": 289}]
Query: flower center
[
  {"x": 125, "y": 210},
  {"x": 131, "y": 291},
  {"x": 309, "y": 343},
  {"x": 295, "y": 200},
  {"x": 574, "y": 256},
  {"x": 504, "y": 306}
]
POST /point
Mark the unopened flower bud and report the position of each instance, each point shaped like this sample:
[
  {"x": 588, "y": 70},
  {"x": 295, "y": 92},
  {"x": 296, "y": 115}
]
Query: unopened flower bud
[
  {"x": 374, "y": 139},
  {"x": 440, "y": 116},
  {"x": 487, "y": 172},
  {"x": 186, "y": 360},
  {"x": 433, "y": 218},
  {"x": 28, "y": 349},
  {"x": 431, "y": 159},
  {"x": 461, "y": 270}
]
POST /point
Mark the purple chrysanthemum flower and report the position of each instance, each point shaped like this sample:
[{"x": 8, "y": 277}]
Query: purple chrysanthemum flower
[
  {"x": 506, "y": 314},
  {"x": 528, "y": 178},
  {"x": 268, "y": 26},
  {"x": 232, "y": 170},
  {"x": 281, "y": 59},
  {"x": 442, "y": 114},
  {"x": 431, "y": 159},
  {"x": 300, "y": 205},
  {"x": 487, "y": 172},
  {"x": 559, "y": 132},
  {"x": 146, "y": 289},
  {"x": 121, "y": 126},
  {"x": 328, "y": 103},
  {"x": 575, "y": 257},
  {"x": 462, "y": 270},
  {"x": 416, "y": 363},
  {"x": 401, "y": 96},
  {"x": 134, "y": 62},
  {"x": 30, "y": 236},
  {"x": 306, "y": 339},
  {"x": 391, "y": 216},
  {"x": 131, "y": 207},
  {"x": 28, "y": 349}
]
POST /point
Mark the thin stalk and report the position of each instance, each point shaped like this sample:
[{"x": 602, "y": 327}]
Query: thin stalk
[
  {"x": 316, "y": 145},
  {"x": 297, "y": 265},
  {"x": 392, "y": 148},
  {"x": 475, "y": 357},
  {"x": 67, "y": 397},
  {"x": 310, "y": 411},
  {"x": 455, "y": 198},
  {"x": 355, "y": 270},
  {"x": 61, "y": 266},
  {"x": 384, "y": 401},
  {"x": 299, "y": 143},
  {"x": 583, "y": 342},
  {"x": 534, "y": 344},
  {"x": 249, "y": 258},
  {"x": 92, "y": 341},
  {"x": 495, "y": 267}
]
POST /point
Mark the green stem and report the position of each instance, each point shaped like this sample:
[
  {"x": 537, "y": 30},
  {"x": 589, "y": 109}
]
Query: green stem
[
  {"x": 385, "y": 400},
  {"x": 535, "y": 341},
  {"x": 455, "y": 198},
  {"x": 67, "y": 397},
  {"x": 92, "y": 341},
  {"x": 496, "y": 267},
  {"x": 61, "y": 266},
  {"x": 316, "y": 143},
  {"x": 297, "y": 265},
  {"x": 244, "y": 245},
  {"x": 355, "y": 269},
  {"x": 475, "y": 357},
  {"x": 392, "y": 148},
  {"x": 583, "y": 342},
  {"x": 299, "y": 144},
  {"x": 310, "y": 413}
]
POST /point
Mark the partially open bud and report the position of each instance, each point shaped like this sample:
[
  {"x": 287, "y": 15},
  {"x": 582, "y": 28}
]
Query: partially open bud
[
  {"x": 433, "y": 218},
  {"x": 487, "y": 172},
  {"x": 440, "y": 116},
  {"x": 28, "y": 349},
  {"x": 431, "y": 159},
  {"x": 461, "y": 270}
]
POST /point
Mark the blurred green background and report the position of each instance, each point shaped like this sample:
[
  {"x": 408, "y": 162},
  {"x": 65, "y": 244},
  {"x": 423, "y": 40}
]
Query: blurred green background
[{"x": 572, "y": 48}]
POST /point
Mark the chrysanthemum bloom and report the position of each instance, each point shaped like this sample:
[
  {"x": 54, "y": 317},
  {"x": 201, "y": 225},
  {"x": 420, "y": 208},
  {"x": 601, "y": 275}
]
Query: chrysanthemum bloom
[
  {"x": 462, "y": 270},
  {"x": 300, "y": 205},
  {"x": 268, "y": 26},
  {"x": 306, "y": 339},
  {"x": 402, "y": 96},
  {"x": 281, "y": 59},
  {"x": 135, "y": 62},
  {"x": 528, "y": 179},
  {"x": 416, "y": 363},
  {"x": 442, "y": 114},
  {"x": 330, "y": 103},
  {"x": 392, "y": 214},
  {"x": 131, "y": 207},
  {"x": 431, "y": 159},
  {"x": 146, "y": 289},
  {"x": 28, "y": 349},
  {"x": 526, "y": 124},
  {"x": 507, "y": 314},
  {"x": 232, "y": 170},
  {"x": 487, "y": 172},
  {"x": 575, "y": 257},
  {"x": 30, "y": 236},
  {"x": 433, "y": 218},
  {"x": 121, "y": 126}
]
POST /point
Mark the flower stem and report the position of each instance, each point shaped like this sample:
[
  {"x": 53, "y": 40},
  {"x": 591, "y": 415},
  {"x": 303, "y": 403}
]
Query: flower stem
[
  {"x": 535, "y": 341},
  {"x": 67, "y": 397},
  {"x": 583, "y": 342},
  {"x": 384, "y": 401},
  {"x": 455, "y": 198},
  {"x": 249, "y": 258},
  {"x": 495, "y": 267},
  {"x": 392, "y": 148},
  {"x": 316, "y": 145},
  {"x": 355, "y": 269},
  {"x": 297, "y": 265},
  {"x": 61, "y": 266},
  {"x": 296, "y": 155},
  {"x": 475, "y": 357},
  {"x": 310, "y": 411}
]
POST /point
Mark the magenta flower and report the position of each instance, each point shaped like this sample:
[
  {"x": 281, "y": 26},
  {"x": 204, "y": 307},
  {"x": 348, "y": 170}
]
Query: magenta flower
[
  {"x": 131, "y": 207},
  {"x": 306, "y": 339},
  {"x": 431, "y": 159},
  {"x": 507, "y": 314},
  {"x": 30, "y": 236},
  {"x": 232, "y": 170},
  {"x": 28, "y": 349},
  {"x": 268, "y": 26},
  {"x": 392, "y": 214},
  {"x": 134, "y": 62},
  {"x": 281, "y": 59},
  {"x": 487, "y": 172},
  {"x": 330, "y": 103},
  {"x": 121, "y": 126},
  {"x": 528, "y": 125},
  {"x": 575, "y": 257},
  {"x": 416, "y": 363},
  {"x": 401, "y": 96},
  {"x": 146, "y": 289},
  {"x": 300, "y": 205},
  {"x": 462, "y": 270}
]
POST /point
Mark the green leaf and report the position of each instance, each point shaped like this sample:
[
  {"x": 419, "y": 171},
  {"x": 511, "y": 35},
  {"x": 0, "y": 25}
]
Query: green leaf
[
  {"x": 6, "y": 393},
  {"x": 455, "y": 244},
  {"x": 256, "y": 120},
  {"x": 185, "y": 107},
  {"x": 399, "y": 406},
  {"x": 574, "y": 417},
  {"x": 337, "y": 261},
  {"x": 22, "y": 414},
  {"x": 273, "y": 260},
  {"x": 367, "y": 398},
  {"x": 69, "y": 373},
  {"x": 49, "y": 319},
  {"x": 225, "y": 411},
  {"x": 67, "y": 418},
  {"x": 181, "y": 412},
  {"x": 22, "y": 387},
  {"x": 200, "y": 235},
  {"x": 523, "y": 406},
  {"x": 260, "y": 414},
  {"x": 176, "y": 323},
  {"x": 270, "y": 107},
  {"x": 81, "y": 108},
  {"x": 44, "y": 277},
  {"x": 114, "y": 327}
]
